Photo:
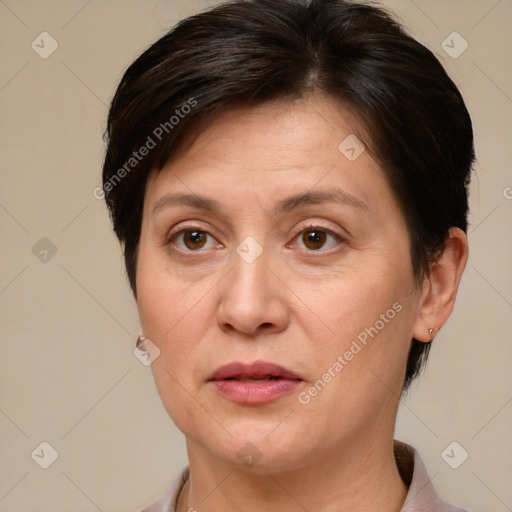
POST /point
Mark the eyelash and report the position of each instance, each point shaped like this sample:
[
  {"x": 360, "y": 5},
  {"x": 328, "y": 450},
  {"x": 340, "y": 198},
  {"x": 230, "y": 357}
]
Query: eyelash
[{"x": 310, "y": 227}]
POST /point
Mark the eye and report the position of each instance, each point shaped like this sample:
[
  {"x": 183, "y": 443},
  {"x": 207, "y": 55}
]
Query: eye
[
  {"x": 315, "y": 238},
  {"x": 193, "y": 240}
]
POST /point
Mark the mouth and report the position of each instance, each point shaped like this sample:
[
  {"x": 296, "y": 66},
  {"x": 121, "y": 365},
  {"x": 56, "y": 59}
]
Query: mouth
[
  {"x": 254, "y": 383},
  {"x": 253, "y": 379},
  {"x": 257, "y": 371}
]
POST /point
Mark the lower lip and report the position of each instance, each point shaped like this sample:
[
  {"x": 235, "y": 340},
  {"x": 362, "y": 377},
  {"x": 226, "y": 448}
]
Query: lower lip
[{"x": 256, "y": 392}]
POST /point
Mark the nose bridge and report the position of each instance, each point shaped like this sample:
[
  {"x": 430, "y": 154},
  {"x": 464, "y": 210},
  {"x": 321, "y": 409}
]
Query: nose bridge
[
  {"x": 251, "y": 297},
  {"x": 249, "y": 280}
]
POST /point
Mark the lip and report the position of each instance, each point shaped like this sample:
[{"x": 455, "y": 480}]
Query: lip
[
  {"x": 257, "y": 369},
  {"x": 231, "y": 382}
]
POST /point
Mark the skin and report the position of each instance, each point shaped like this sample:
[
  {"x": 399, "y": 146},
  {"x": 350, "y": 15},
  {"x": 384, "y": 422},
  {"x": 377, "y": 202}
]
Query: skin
[{"x": 299, "y": 304}]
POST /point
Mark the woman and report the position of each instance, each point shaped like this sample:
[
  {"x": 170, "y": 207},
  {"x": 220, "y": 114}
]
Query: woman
[{"x": 289, "y": 182}]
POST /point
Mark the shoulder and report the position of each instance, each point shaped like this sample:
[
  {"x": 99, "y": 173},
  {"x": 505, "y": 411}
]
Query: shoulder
[
  {"x": 167, "y": 502},
  {"x": 422, "y": 496}
]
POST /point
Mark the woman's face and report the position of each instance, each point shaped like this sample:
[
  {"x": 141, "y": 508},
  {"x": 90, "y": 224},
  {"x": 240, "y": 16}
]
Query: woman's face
[{"x": 273, "y": 246}]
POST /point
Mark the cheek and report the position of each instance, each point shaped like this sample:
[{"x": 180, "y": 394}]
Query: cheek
[
  {"x": 369, "y": 316},
  {"x": 358, "y": 372},
  {"x": 175, "y": 316},
  {"x": 173, "y": 313},
  {"x": 349, "y": 303},
  {"x": 164, "y": 298}
]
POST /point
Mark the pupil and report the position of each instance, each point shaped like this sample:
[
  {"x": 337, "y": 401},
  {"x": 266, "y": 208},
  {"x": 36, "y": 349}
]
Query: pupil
[
  {"x": 194, "y": 239},
  {"x": 314, "y": 239}
]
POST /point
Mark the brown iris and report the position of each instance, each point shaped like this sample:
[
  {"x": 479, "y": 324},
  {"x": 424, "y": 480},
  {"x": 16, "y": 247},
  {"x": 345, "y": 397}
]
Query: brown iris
[
  {"x": 194, "y": 239},
  {"x": 314, "y": 239}
]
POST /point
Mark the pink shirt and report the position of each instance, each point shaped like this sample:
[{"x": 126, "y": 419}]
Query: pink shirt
[{"x": 421, "y": 496}]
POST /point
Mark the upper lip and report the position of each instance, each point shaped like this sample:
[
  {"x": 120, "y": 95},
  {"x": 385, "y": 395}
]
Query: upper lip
[{"x": 257, "y": 369}]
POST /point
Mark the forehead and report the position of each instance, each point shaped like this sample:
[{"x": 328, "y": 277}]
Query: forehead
[
  {"x": 275, "y": 129},
  {"x": 265, "y": 153}
]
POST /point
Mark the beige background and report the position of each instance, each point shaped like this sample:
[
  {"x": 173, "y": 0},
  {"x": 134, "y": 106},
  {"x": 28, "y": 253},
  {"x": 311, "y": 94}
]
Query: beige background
[{"x": 68, "y": 325}]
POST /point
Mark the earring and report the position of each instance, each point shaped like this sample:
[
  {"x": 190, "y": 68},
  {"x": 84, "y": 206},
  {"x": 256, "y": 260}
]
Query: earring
[
  {"x": 140, "y": 339},
  {"x": 431, "y": 332}
]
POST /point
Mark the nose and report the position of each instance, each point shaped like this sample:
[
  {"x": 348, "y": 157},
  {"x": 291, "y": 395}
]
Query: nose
[{"x": 253, "y": 299}]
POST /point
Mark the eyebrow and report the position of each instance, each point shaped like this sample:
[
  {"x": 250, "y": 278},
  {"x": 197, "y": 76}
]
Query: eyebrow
[
  {"x": 285, "y": 205},
  {"x": 334, "y": 195},
  {"x": 192, "y": 200}
]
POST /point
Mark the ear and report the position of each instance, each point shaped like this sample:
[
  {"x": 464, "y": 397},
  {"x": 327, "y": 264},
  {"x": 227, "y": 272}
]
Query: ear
[{"x": 440, "y": 287}]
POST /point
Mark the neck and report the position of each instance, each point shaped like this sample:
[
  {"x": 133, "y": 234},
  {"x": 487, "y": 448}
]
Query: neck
[{"x": 352, "y": 479}]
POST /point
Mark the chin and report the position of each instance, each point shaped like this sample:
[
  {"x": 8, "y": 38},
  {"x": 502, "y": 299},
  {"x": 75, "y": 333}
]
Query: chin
[{"x": 259, "y": 446}]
